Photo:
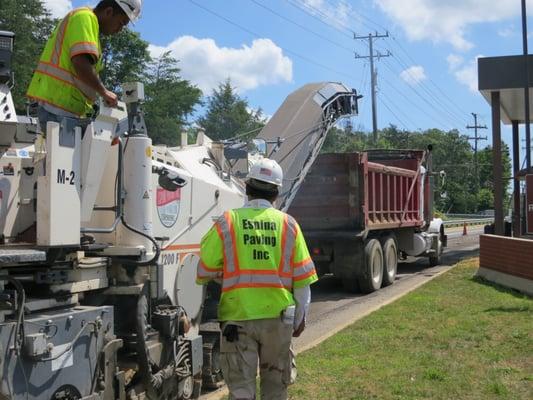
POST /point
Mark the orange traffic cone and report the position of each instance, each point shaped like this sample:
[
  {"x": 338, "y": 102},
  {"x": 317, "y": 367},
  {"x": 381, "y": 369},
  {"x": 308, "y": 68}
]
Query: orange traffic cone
[{"x": 464, "y": 229}]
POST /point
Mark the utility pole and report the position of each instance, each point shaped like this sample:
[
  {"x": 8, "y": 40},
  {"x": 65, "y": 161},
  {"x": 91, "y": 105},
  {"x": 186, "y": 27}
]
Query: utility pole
[
  {"x": 476, "y": 139},
  {"x": 526, "y": 87},
  {"x": 373, "y": 74}
]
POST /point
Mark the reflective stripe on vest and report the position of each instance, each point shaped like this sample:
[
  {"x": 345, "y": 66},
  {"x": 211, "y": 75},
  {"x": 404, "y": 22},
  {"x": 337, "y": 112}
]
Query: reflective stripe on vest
[
  {"x": 56, "y": 53},
  {"x": 204, "y": 271},
  {"x": 303, "y": 270},
  {"x": 83, "y": 48},
  {"x": 55, "y": 72},
  {"x": 226, "y": 232},
  {"x": 251, "y": 279},
  {"x": 235, "y": 277},
  {"x": 287, "y": 241}
]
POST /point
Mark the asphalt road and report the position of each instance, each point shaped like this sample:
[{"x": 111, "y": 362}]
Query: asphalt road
[{"x": 333, "y": 309}]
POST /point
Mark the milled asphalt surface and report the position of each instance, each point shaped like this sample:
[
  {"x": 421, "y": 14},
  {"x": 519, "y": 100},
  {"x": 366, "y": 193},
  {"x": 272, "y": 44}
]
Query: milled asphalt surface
[{"x": 333, "y": 309}]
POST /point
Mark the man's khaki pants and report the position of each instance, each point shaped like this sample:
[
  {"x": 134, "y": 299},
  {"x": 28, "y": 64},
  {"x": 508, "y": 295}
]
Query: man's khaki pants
[{"x": 265, "y": 342}]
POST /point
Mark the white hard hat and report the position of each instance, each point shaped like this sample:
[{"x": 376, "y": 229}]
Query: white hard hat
[
  {"x": 132, "y": 8},
  {"x": 267, "y": 171}
]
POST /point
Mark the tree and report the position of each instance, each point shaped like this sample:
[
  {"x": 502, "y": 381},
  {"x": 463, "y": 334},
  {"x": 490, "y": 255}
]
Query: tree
[
  {"x": 125, "y": 58},
  {"x": 32, "y": 25},
  {"x": 169, "y": 100},
  {"x": 228, "y": 115},
  {"x": 451, "y": 153},
  {"x": 397, "y": 138}
]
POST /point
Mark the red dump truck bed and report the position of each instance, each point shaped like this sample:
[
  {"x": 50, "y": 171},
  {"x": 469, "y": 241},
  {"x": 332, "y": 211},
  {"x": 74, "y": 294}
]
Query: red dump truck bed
[{"x": 372, "y": 190}]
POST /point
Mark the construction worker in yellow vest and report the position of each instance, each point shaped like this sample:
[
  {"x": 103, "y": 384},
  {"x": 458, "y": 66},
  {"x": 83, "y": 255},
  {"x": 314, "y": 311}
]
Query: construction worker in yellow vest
[
  {"x": 66, "y": 81},
  {"x": 259, "y": 256}
]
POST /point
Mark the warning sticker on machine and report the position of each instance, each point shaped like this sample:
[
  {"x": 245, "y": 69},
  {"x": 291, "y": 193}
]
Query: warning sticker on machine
[
  {"x": 168, "y": 206},
  {"x": 65, "y": 359}
]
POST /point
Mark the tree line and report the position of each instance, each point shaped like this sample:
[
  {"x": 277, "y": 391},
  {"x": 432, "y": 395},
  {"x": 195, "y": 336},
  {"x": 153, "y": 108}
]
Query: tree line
[{"x": 174, "y": 105}]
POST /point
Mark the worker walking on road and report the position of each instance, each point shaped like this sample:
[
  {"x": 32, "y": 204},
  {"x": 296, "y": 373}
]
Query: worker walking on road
[
  {"x": 260, "y": 256},
  {"x": 66, "y": 81}
]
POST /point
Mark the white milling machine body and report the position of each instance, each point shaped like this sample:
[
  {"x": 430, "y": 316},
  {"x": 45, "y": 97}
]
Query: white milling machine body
[{"x": 100, "y": 236}]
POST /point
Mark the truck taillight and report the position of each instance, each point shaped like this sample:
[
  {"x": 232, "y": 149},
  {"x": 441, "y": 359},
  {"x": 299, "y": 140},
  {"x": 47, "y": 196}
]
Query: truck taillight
[{"x": 316, "y": 251}]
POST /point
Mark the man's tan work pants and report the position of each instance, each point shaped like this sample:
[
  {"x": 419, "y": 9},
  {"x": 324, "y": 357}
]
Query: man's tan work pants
[{"x": 265, "y": 342}]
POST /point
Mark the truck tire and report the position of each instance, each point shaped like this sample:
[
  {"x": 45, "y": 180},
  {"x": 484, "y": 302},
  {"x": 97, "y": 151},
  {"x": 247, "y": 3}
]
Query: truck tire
[
  {"x": 390, "y": 261},
  {"x": 434, "y": 259},
  {"x": 371, "y": 275}
]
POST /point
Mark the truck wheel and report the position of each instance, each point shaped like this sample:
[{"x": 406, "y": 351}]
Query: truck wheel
[
  {"x": 434, "y": 259},
  {"x": 371, "y": 275},
  {"x": 390, "y": 261}
]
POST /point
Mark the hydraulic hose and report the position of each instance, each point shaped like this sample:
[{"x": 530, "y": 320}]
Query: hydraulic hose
[
  {"x": 19, "y": 329},
  {"x": 151, "y": 239},
  {"x": 141, "y": 326}
]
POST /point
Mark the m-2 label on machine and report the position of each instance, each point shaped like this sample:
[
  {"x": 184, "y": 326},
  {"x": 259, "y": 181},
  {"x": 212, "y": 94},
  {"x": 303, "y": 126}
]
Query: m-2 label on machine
[{"x": 65, "y": 178}]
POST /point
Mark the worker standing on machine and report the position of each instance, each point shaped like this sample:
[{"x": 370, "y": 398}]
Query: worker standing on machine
[
  {"x": 259, "y": 255},
  {"x": 66, "y": 81}
]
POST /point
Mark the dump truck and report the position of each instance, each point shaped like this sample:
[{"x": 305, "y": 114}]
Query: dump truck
[{"x": 360, "y": 212}]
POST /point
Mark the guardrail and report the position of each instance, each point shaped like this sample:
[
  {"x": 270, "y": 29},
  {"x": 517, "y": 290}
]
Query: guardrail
[
  {"x": 470, "y": 221},
  {"x": 466, "y": 216}
]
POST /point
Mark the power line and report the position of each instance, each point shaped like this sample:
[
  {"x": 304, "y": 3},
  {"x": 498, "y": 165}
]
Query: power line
[
  {"x": 405, "y": 117},
  {"x": 452, "y": 103},
  {"x": 437, "y": 99},
  {"x": 347, "y": 31},
  {"x": 457, "y": 113},
  {"x": 359, "y": 15},
  {"x": 394, "y": 114},
  {"x": 432, "y": 97},
  {"x": 459, "y": 117},
  {"x": 410, "y": 100},
  {"x": 302, "y": 26},
  {"x": 254, "y": 34},
  {"x": 431, "y": 105}
]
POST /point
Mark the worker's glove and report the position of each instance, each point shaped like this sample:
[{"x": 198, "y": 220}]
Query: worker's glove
[
  {"x": 298, "y": 331},
  {"x": 231, "y": 333}
]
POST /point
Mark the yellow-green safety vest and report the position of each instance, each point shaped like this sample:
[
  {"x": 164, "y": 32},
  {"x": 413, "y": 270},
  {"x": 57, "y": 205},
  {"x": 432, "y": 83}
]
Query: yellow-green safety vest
[
  {"x": 55, "y": 81},
  {"x": 261, "y": 255}
]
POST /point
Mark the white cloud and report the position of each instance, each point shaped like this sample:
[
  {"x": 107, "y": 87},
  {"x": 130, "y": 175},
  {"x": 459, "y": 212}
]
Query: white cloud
[
  {"x": 413, "y": 75},
  {"x": 467, "y": 75},
  {"x": 447, "y": 21},
  {"x": 58, "y": 8},
  {"x": 454, "y": 61},
  {"x": 206, "y": 64},
  {"x": 507, "y": 32}
]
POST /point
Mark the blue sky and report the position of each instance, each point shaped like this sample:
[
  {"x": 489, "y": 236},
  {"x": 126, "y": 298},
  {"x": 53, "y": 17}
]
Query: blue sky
[{"x": 269, "y": 48}]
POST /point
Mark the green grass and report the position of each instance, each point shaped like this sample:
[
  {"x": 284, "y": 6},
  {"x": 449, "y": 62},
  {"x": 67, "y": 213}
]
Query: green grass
[{"x": 456, "y": 337}]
